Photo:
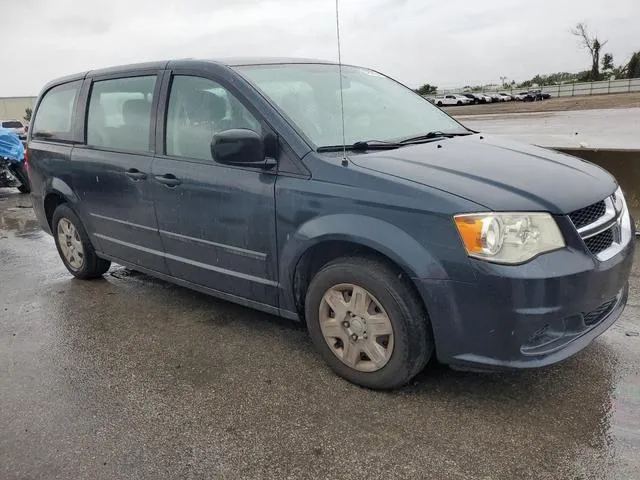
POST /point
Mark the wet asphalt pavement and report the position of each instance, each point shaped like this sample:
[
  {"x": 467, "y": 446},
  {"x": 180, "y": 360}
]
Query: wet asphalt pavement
[
  {"x": 615, "y": 128},
  {"x": 130, "y": 377}
]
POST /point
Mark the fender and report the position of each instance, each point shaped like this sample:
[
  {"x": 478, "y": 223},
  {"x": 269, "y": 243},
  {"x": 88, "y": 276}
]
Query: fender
[
  {"x": 371, "y": 232},
  {"x": 56, "y": 186},
  {"x": 60, "y": 187}
]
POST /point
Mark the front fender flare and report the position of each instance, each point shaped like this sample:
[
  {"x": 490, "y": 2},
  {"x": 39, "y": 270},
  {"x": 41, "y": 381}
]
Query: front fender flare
[{"x": 383, "y": 237}]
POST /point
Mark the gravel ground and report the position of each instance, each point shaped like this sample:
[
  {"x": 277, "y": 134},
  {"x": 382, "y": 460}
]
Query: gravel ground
[
  {"x": 591, "y": 102},
  {"x": 130, "y": 377}
]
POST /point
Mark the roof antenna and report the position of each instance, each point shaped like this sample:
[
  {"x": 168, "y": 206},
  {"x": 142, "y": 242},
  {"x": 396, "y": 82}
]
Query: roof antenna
[{"x": 345, "y": 162}]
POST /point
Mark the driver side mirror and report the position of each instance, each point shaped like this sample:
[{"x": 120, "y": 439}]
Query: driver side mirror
[{"x": 238, "y": 146}]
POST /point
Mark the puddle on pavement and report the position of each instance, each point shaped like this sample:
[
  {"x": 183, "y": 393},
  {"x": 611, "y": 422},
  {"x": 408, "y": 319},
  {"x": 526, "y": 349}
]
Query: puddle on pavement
[
  {"x": 16, "y": 214},
  {"x": 19, "y": 225}
]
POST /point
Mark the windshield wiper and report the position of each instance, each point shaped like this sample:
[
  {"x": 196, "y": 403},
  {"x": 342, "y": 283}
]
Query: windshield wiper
[
  {"x": 432, "y": 135},
  {"x": 362, "y": 146},
  {"x": 389, "y": 145}
]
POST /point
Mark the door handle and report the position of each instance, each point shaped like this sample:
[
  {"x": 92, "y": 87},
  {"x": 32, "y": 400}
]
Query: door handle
[
  {"x": 135, "y": 174},
  {"x": 168, "y": 179}
]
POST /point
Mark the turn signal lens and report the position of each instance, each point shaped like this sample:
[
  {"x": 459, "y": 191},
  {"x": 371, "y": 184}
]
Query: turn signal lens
[{"x": 470, "y": 228}]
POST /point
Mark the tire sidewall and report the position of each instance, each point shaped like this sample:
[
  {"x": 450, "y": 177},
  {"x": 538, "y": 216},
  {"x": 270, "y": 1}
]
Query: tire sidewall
[
  {"x": 64, "y": 211},
  {"x": 394, "y": 373}
]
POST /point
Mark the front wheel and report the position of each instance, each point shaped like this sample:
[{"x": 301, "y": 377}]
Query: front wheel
[
  {"x": 459, "y": 103},
  {"x": 439, "y": 104},
  {"x": 367, "y": 323},
  {"x": 73, "y": 244}
]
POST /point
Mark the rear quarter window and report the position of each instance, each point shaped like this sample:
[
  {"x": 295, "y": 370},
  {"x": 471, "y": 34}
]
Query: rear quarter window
[{"x": 54, "y": 117}]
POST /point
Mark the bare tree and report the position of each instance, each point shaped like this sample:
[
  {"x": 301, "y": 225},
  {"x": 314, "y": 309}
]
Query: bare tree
[{"x": 593, "y": 44}]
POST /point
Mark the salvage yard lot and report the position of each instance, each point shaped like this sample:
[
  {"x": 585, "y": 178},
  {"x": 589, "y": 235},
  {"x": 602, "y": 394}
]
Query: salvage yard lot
[
  {"x": 131, "y": 377},
  {"x": 592, "y": 102}
]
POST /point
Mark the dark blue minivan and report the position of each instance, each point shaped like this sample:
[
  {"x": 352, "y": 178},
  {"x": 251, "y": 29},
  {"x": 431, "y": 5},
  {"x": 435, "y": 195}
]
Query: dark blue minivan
[{"x": 337, "y": 196}]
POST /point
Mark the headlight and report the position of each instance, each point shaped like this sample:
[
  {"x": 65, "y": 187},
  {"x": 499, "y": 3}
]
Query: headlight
[{"x": 508, "y": 237}]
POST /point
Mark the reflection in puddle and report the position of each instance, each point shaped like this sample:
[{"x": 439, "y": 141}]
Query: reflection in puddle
[
  {"x": 16, "y": 214},
  {"x": 18, "y": 223}
]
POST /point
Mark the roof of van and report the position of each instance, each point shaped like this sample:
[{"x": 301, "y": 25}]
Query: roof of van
[
  {"x": 238, "y": 61},
  {"x": 230, "y": 62}
]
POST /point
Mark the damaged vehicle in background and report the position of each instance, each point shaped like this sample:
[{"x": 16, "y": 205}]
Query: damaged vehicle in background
[
  {"x": 12, "y": 166},
  {"x": 16, "y": 126},
  {"x": 393, "y": 231}
]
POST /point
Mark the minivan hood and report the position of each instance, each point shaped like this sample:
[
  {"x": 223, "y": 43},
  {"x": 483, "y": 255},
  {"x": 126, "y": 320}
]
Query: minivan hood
[{"x": 496, "y": 173}]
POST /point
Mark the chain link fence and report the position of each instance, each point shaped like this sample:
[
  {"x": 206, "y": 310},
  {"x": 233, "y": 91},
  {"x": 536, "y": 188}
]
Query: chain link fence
[{"x": 625, "y": 85}]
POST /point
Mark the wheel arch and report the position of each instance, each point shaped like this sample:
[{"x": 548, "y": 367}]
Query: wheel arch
[
  {"x": 57, "y": 192},
  {"x": 324, "y": 239}
]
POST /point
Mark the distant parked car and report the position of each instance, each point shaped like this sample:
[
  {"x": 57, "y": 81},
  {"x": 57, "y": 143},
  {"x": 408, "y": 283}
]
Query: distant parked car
[
  {"x": 478, "y": 97},
  {"x": 15, "y": 126},
  {"x": 452, "y": 99},
  {"x": 495, "y": 96},
  {"x": 530, "y": 96},
  {"x": 507, "y": 96},
  {"x": 485, "y": 98},
  {"x": 474, "y": 99},
  {"x": 540, "y": 95}
]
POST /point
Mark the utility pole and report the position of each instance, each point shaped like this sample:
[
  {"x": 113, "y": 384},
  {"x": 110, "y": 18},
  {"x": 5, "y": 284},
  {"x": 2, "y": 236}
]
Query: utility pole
[{"x": 503, "y": 80}]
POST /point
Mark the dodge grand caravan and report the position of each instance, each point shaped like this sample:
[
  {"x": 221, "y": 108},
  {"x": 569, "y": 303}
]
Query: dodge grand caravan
[{"x": 400, "y": 237}]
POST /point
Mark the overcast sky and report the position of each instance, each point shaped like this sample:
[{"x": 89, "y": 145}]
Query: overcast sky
[{"x": 447, "y": 43}]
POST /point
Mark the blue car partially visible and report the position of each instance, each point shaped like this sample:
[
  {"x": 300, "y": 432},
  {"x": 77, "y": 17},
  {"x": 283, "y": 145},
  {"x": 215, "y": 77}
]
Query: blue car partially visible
[{"x": 12, "y": 165}]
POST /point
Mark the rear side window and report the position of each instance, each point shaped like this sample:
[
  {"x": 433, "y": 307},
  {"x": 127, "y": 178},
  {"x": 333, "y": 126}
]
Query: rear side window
[
  {"x": 120, "y": 113},
  {"x": 55, "y": 113}
]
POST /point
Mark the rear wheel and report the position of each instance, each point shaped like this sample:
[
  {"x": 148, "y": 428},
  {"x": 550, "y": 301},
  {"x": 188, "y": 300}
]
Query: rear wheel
[
  {"x": 73, "y": 244},
  {"x": 367, "y": 323},
  {"x": 459, "y": 103}
]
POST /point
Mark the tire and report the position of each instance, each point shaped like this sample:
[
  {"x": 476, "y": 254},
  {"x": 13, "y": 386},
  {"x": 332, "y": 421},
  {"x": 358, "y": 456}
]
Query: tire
[
  {"x": 411, "y": 338},
  {"x": 459, "y": 103},
  {"x": 24, "y": 188},
  {"x": 91, "y": 266},
  {"x": 439, "y": 104}
]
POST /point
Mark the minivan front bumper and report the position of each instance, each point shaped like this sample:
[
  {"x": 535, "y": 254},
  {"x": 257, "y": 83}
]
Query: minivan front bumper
[{"x": 530, "y": 315}]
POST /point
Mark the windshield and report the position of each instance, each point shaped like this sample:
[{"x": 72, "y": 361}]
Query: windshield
[{"x": 375, "y": 107}]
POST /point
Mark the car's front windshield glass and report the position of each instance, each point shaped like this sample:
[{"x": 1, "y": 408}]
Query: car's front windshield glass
[{"x": 375, "y": 107}]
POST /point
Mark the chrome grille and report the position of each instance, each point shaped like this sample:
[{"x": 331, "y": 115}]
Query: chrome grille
[
  {"x": 600, "y": 242},
  {"x": 587, "y": 215},
  {"x": 599, "y": 313},
  {"x": 609, "y": 228}
]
